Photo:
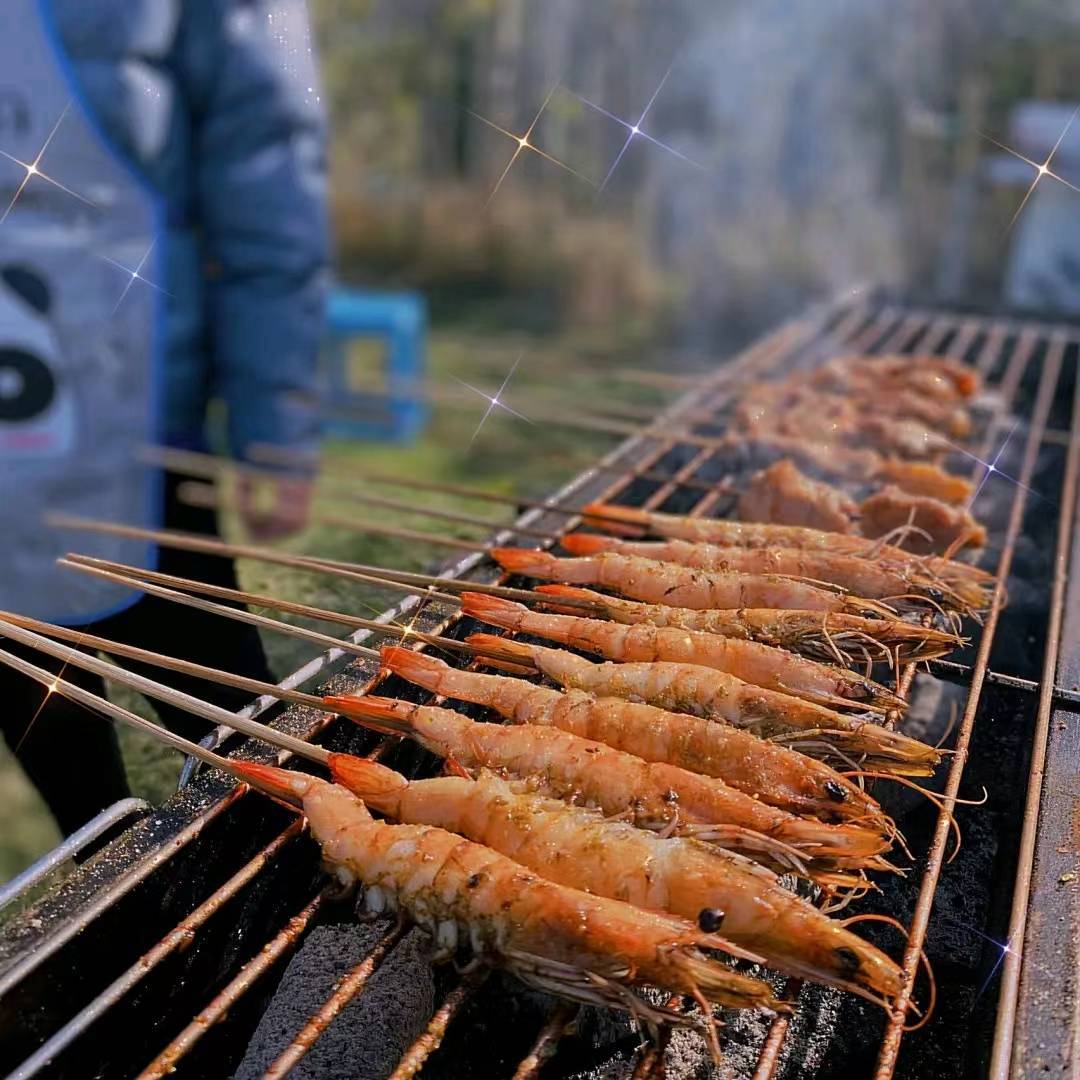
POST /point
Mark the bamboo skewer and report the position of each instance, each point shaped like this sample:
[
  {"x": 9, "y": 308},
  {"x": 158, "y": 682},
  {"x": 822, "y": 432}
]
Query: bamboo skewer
[
  {"x": 206, "y": 496},
  {"x": 377, "y": 575},
  {"x": 279, "y": 456},
  {"x": 209, "y": 466},
  {"x": 148, "y": 582},
  {"x": 88, "y": 699},
  {"x": 21, "y": 629}
]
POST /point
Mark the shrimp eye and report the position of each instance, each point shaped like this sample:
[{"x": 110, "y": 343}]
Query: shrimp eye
[
  {"x": 710, "y": 920},
  {"x": 835, "y": 791},
  {"x": 849, "y": 960}
]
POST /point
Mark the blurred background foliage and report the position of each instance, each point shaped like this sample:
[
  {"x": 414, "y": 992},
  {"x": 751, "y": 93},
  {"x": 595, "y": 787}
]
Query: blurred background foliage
[{"x": 835, "y": 141}]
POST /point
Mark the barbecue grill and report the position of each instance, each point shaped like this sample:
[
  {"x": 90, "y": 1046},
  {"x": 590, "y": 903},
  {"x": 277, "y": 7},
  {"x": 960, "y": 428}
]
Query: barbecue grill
[{"x": 161, "y": 952}]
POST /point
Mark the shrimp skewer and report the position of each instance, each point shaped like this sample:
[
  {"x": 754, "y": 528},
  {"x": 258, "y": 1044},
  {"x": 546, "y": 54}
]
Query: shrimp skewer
[
  {"x": 762, "y": 665},
  {"x": 774, "y": 774},
  {"x": 897, "y": 585},
  {"x": 705, "y": 692},
  {"x": 579, "y": 848},
  {"x": 851, "y": 639},
  {"x": 653, "y": 795},
  {"x": 571, "y": 943},
  {"x": 666, "y": 583},
  {"x": 632, "y": 521}
]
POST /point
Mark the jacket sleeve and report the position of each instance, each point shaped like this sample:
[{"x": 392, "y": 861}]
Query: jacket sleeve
[{"x": 259, "y": 146}]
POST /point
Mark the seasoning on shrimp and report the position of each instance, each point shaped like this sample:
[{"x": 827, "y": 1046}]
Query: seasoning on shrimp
[
  {"x": 582, "y": 849},
  {"x": 775, "y": 774},
  {"x": 762, "y": 665},
  {"x": 901, "y": 586},
  {"x": 831, "y": 636},
  {"x": 653, "y": 795},
  {"x": 705, "y": 692},
  {"x": 560, "y": 939},
  {"x": 666, "y": 583}
]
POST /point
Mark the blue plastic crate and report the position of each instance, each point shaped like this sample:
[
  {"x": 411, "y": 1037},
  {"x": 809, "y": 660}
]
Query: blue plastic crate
[{"x": 394, "y": 327}]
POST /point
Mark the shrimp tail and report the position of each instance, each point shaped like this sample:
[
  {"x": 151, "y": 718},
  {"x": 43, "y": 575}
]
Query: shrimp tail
[
  {"x": 617, "y": 520},
  {"x": 502, "y": 649},
  {"x": 384, "y": 715},
  {"x": 493, "y": 609},
  {"x": 367, "y": 780},
  {"x": 527, "y": 561},
  {"x": 416, "y": 667},
  {"x": 598, "y": 607},
  {"x": 588, "y": 544},
  {"x": 281, "y": 784}
]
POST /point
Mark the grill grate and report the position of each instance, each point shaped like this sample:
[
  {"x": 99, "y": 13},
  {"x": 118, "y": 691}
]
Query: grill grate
[{"x": 226, "y": 889}]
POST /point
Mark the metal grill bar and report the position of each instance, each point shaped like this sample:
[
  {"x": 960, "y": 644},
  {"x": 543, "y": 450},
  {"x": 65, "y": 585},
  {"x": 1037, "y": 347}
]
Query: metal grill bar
[
  {"x": 279, "y": 946},
  {"x": 769, "y": 1057},
  {"x": 1003, "y": 1048},
  {"x": 920, "y": 920}
]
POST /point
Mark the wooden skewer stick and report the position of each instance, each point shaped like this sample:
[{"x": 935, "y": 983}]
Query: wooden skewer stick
[
  {"x": 31, "y": 632},
  {"x": 282, "y": 457},
  {"x": 147, "y": 581},
  {"x": 243, "y": 597},
  {"x": 90, "y": 700},
  {"x": 377, "y": 575},
  {"x": 209, "y": 466},
  {"x": 208, "y": 497}
]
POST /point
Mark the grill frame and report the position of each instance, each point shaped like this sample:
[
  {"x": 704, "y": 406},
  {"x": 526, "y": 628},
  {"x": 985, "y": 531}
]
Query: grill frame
[{"x": 866, "y": 325}]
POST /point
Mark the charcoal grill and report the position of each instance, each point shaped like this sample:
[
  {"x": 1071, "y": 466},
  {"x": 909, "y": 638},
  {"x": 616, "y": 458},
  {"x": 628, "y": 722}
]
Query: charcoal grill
[{"x": 161, "y": 952}]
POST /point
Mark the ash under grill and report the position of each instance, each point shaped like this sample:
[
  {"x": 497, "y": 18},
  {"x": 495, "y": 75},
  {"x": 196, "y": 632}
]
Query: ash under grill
[{"x": 163, "y": 952}]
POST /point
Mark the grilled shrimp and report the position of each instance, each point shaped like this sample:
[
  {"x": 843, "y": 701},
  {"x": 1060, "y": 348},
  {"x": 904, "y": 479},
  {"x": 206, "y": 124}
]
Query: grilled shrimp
[
  {"x": 577, "y": 847},
  {"x": 939, "y": 526},
  {"x": 563, "y": 940},
  {"x": 783, "y": 494},
  {"x": 850, "y": 639},
  {"x": 706, "y": 692},
  {"x": 899, "y": 585},
  {"x": 632, "y": 521},
  {"x": 922, "y": 478},
  {"x": 762, "y": 665},
  {"x": 666, "y": 583},
  {"x": 653, "y": 795},
  {"x": 772, "y": 773}
]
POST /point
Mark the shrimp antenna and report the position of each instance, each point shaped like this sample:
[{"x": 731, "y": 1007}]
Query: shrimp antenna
[{"x": 923, "y": 959}]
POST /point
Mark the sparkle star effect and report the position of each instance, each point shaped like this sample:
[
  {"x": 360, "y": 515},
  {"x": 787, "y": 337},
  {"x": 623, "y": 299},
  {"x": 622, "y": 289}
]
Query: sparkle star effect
[
  {"x": 523, "y": 143},
  {"x": 33, "y": 168},
  {"x": 1041, "y": 170},
  {"x": 991, "y": 468},
  {"x": 495, "y": 402},
  {"x": 636, "y": 130},
  {"x": 133, "y": 276},
  {"x": 49, "y": 691}
]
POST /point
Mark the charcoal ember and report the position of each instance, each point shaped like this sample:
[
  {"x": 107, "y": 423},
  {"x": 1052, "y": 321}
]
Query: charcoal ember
[{"x": 367, "y": 1038}]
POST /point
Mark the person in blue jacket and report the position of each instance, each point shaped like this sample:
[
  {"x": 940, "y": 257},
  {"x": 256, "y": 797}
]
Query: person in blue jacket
[{"x": 163, "y": 246}]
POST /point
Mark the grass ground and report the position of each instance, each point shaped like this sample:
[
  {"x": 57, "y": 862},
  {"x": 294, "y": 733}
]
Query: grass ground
[{"x": 507, "y": 455}]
